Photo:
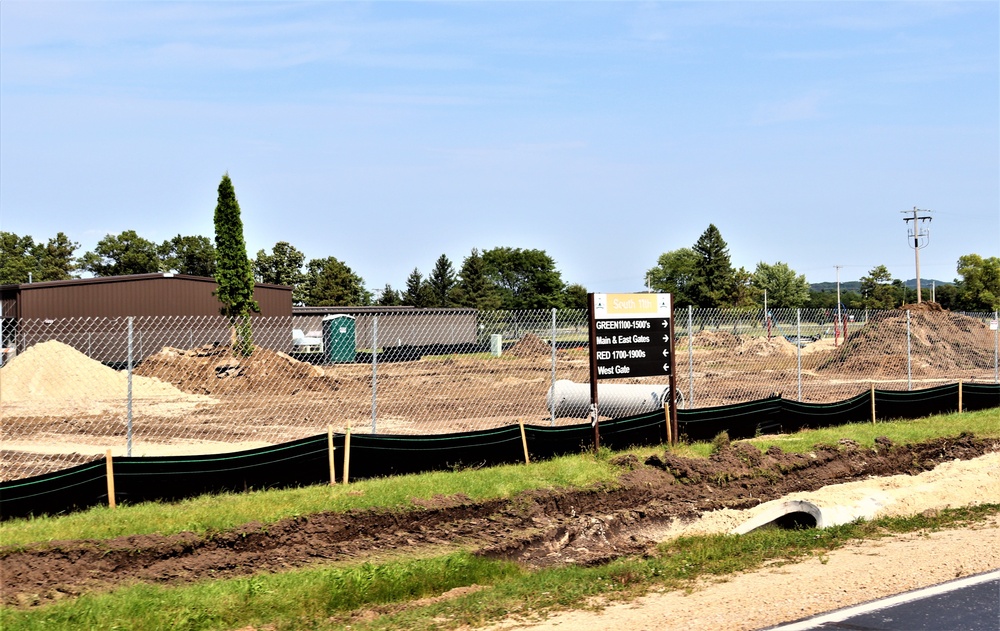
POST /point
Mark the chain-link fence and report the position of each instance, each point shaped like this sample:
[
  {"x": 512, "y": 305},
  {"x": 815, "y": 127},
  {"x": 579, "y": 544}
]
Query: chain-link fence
[{"x": 71, "y": 389}]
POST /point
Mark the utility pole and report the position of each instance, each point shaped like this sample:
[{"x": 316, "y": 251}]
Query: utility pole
[{"x": 920, "y": 236}]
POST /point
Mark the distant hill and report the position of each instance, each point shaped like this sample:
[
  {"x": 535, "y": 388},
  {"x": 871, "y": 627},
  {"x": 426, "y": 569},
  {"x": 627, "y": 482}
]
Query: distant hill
[{"x": 855, "y": 285}]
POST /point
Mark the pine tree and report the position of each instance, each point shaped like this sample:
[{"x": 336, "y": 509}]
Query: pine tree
[
  {"x": 441, "y": 281},
  {"x": 473, "y": 288},
  {"x": 714, "y": 281},
  {"x": 233, "y": 271},
  {"x": 417, "y": 292}
]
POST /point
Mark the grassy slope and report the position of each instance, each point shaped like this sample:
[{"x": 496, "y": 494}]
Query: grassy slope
[
  {"x": 221, "y": 512},
  {"x": 387, "y": 594}
]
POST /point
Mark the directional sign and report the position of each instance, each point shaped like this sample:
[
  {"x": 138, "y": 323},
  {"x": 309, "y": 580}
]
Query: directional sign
[{"x": 632, "y": 335}]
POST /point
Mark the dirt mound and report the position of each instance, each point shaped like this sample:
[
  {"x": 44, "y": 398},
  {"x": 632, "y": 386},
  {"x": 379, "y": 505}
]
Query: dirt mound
[
  {"x": 53, "y": 378},
  {"x": 764, "y": 347},
  {"x": 941, "y": 342},
  {"x": 923, "y": 307},
  {"x": 715, "y": 339},
  {"x": 214, "y": 369},
  {"x": 530, "y": 345}
]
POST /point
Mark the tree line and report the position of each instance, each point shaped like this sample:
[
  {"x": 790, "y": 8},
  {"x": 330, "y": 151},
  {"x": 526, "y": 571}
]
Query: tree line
[
  {"x": 703, "y": 276},
  {"x": 499, "y": 278}
]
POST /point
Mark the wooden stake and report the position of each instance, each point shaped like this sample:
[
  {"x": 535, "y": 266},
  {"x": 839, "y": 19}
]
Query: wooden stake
[
  {"x": 524, "y": 442},
  {"x": 873, "y": 404},
  {"x": 666, "y": 414},
  {"x": 959, "y": 396},
  {"x": 111, "y": 480},
  {"x": 329, "y": 449},
  {"x": 347, "y": 454}
]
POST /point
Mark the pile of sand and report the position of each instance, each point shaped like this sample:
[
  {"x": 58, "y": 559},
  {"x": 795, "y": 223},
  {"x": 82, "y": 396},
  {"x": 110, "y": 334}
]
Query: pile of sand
[
  {"x": 715, "y": 339},
  {"x": 764, "y": 347},
  {"x": 53, "y": 378},
  {"x": 530, "y": 345},
  {"x": 214, "y": 369}
]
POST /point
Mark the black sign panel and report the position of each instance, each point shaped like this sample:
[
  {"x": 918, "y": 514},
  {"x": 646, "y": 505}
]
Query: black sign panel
[{"x": 632, "y": 347}]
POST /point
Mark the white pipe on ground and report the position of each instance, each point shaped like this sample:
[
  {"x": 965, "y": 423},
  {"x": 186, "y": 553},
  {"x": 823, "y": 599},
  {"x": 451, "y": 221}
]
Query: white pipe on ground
[{"x": 572, "y": 400}]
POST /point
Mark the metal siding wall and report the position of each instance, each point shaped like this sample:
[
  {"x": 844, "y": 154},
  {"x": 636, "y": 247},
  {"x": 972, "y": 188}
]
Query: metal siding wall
[{"x": 140, "y": 297}]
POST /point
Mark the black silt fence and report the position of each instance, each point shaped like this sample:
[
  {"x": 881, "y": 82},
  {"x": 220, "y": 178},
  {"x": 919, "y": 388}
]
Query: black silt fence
[
  {"x": 743, "y": 420},
  {"x": 306, "y": 461}
]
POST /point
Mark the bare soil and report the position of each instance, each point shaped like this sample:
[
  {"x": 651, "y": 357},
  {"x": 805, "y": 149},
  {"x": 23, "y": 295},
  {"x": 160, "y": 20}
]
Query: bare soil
[
  {"x": 60, "y": 408},
  {"x": 539, "y": 529}
]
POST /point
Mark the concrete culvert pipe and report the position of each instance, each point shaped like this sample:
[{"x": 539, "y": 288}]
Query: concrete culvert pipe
[
  {"x": 792, "y": 514},
  {"x": 572, "y": 400}
]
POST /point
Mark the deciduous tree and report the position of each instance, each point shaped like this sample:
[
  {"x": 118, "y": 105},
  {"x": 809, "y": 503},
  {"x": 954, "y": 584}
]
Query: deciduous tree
[
  {"x": 979, "y": 287},
  {"x": 674, "y": 274},
  {"x": 785, "y": 289},
  {"x": 194, "y": 255},
  {"x": 526, "y": 279},
  {"x": 877, "y": 289},
  {"x": 332, "y": 283},
  {"x": 282, "y": 267},
  {"x": 118, "y": 255}
]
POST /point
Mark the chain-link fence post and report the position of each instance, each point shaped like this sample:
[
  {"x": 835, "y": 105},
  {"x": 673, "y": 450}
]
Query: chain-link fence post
[
  {"x": 909, "y": 355},
  {"x": 374, "y": 372},
  {"x": 996, "y": 346},
  {"x": 798, "y": 349},
  {"x": 690, "y": 402},
  {"x": 553, "y": 340},
  {"x": 128, "y": 405}
]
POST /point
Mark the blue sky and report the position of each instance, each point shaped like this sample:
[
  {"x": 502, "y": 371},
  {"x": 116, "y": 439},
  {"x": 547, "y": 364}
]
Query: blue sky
[{"x": 387, "y": 134}]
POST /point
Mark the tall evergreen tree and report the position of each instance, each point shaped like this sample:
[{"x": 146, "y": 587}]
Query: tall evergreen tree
[
  {"x": 714, "y": 281},
  {"x": 441, "y": 282},
  {"x": 233, "y": 271},
  {"x": 17, "y": 259},
  {"x": 418, "y": 291},
  {"x": 389, "y": 297},
  {"x": 21, "y": 259},
  {"x": 473, "y": 288}
]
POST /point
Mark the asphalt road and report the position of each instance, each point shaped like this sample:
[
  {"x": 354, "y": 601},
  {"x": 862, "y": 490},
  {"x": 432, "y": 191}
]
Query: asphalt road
[{"x": 967, "y": 604}]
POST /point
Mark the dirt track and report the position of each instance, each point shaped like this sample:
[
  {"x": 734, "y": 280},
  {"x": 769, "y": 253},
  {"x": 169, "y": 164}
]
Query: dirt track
[{"x": 538, "y": 529}]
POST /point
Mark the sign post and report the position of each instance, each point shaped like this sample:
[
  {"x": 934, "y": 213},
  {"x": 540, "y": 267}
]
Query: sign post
[{"x": 631, "y": 335}]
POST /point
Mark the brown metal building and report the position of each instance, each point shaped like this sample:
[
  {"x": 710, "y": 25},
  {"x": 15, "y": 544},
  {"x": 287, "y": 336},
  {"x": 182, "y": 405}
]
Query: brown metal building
[
  {"x": 94, "y": 315},
  {"x": 136, "y": 295}
]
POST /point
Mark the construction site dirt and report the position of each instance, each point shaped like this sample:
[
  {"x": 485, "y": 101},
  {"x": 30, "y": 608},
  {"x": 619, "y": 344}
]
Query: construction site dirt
[{"x": 60, "y": 407}]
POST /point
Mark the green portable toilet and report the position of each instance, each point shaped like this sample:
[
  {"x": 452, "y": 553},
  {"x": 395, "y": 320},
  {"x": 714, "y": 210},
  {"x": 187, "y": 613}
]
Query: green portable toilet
[{"x": 339, "y": 342}]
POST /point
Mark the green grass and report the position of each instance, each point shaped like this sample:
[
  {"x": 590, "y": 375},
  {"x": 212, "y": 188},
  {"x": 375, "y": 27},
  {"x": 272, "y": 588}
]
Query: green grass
[
  {"x": 984, "y": 424},
  {"x": 221, "y": 512},
  {"x": 372, "y": 596}
]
